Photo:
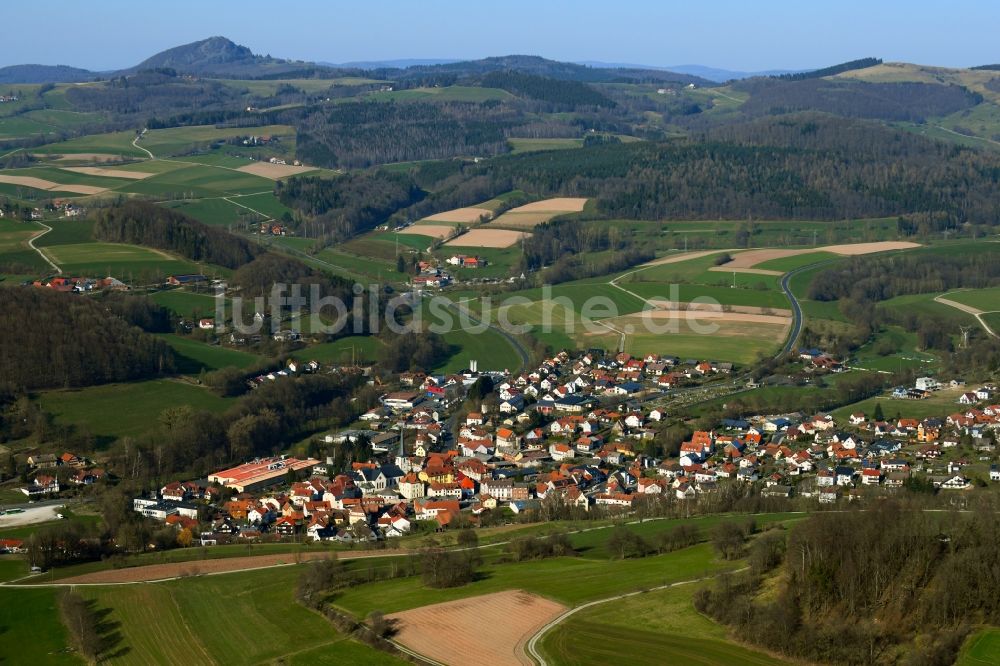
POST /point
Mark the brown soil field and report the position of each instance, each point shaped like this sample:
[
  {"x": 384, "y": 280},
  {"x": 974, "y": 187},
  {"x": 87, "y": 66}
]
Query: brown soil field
[
  {"x": 852, "y": 249},
  {"x": 42, "y": 184},
  {"x": 274, "y": 171},
  {"x": 741, "y": 309},
  {"x": 110, "y": 173},
  {"x": 432, "y": 230},
  {"x": 683, "y": 256},
  {"x": 717, "y": 316},
  {"x": 489, "y": 629},
  {"x": 465, "y": 215},
  {"x": 151, "y": 572},
  {"x": 522, "y": 220},
  {"x": 557, "y": 205},
  {"x": 482, "y": 237},
  {"x": 751, "y": 258}
]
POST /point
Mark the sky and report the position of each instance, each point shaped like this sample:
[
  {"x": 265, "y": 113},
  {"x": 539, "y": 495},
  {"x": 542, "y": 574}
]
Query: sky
[{"x": 748, "y": 35}]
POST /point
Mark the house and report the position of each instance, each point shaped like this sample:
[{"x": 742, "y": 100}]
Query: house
[
  {"x": 206, "y": 324},
  {"x": 927, "y": 384},
  {"x": 178, "y": 280},
  {"x": 870, "y": 476},
  {"x": 994, "y": 472},
  {"x": 43, "y": 485}
]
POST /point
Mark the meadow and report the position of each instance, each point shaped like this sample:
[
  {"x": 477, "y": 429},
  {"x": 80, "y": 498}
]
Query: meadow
[
  {"x": 32, "y": 631},
  {"x": 987, "y": 300},
  {"x": 126, "y": 410},
  {"x": 981, "y": 648},
  {"x": 672, "y": 631},
  {"x": 195, "y": 356},
  {"x": 186, "y": 303},
  {"x": 117, "y": 259},
  {"x": 241, "y": 618},
  {"x": 360, "y": 349}
]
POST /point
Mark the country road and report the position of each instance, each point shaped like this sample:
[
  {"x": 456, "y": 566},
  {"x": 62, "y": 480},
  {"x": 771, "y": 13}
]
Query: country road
[
  {"x": 135, "y": 144},
  {"x": 31, "y": 244}
]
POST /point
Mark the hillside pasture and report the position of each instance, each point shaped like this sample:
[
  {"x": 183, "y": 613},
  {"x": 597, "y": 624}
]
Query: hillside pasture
[
  {"x": 111, "y": 411},
  {"x": 434, "y": 231},
  {"x": 118, "y": 260},
  {"x": 984, "y": 300}
]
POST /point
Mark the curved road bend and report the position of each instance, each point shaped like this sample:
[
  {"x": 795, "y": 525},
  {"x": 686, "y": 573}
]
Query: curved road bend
[
  {"x": 793, "y": 334},
  {"x": 31, "y": 244}
]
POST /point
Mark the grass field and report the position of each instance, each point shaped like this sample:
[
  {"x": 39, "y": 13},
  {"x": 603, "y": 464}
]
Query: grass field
[
  {"x": 940, "y": 404},
  {"x": 686, "y": 293},
  {"x": 30, "y": 629},
  {"x": 186, "y": 303},
  {"x": 444, "y": 94},
  {"x": 121, "y": 410},
  {"x": 987, "y": 300},
  {"x": 113, "y": 143},
  {"x": 672, "y": 632},
  {"x": 982, "y": 647},
  {"x": 117, "y": 259},
  {"x": 535, "y": 145},
  {"x": 489, "y": 348},
  {"x": 925, "y": 304},
  {"x": 356, "y": 347},
  {"x": 569, "y": 580},
  {"x": 195, "y": 356},
  {"x": 174, "y": 140},
  {"x": 243, "y": 618},
  {"x": 786, "y": 264}
]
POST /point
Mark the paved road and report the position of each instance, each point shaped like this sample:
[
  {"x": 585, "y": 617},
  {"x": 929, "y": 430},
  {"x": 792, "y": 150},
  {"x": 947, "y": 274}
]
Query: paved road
[{"x": 793, "y": 335}]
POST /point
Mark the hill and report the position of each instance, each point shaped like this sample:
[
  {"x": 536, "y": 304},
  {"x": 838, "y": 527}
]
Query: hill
[
  {"x": 218, "y": 56},
  {"x": 44, "y": 74}
]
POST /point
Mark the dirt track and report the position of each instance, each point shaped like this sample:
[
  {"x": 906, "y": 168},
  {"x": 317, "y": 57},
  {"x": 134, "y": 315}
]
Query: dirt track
[
  {"x": 152, "y": 572},
  {"x": 489, "y": 629}
]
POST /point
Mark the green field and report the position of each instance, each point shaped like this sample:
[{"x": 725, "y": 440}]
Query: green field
[
  {"x": 175, "y": 140},
  {"x": 445, "y": 94},
  {"x": 114, "y": 143},
  {"x": 535, "y": 145},
  {"x": 982, "y": 647},
  {"x": 940, "y": 404},
  {"x": 195, "y": 181},
  {"x": 30, "y": 629},
  {"x": 185, "y": 303},
  {"x": 987, "y": 300},
  {"x": 672, "y": 632},
  {"x": 241, "y": 618},
  {"x": 195, "y": 356},
  {"x": 687, "y": 293},
  {"x": 489, "y": 348},
  {"x": 126, "y": 410},
  {"x": 359, "y": 348},
  {"x": 569, "y": 580},
  {"x": 117, "y": 259}
]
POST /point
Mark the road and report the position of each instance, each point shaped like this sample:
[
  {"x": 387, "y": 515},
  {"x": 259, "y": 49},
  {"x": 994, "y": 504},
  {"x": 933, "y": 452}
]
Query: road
[
  {"x": 31, "y": 244},
  {"x": 793, "y": 334},
  {"x": 135, "y": 144}
]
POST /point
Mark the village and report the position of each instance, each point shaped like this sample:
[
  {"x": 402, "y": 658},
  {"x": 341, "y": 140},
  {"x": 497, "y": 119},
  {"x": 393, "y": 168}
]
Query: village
[{"x": 565, "y": 439}]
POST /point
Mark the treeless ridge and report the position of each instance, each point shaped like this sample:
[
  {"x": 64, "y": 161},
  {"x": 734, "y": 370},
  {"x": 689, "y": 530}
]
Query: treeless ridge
[
  {"x": 489, "y": 629},
  {"x": 482, "y": 237}
]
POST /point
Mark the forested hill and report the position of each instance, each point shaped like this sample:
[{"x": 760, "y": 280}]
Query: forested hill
[
  {"x": 142, "y": 223},
  {"x": 805, "y": 166},
  {"x": 54, "y": 340}
]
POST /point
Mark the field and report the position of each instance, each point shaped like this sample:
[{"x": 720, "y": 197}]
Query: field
[
  {"x": 176, "y": 140},
  {"x": 982, "y": 647},
  {"x": 432, "y": 231},
  {"x": 533, "y": 214},
  {"x": 48, "y": 185},
  {"x": 672, "y": 632},
  {"x": 244, "y": 618},
  {"x": 512, "y": 616},
  {"x": 130, "y": 174},
  {"x": 185, "y": 303},
  {"x": 126, "y": 410},
  {"x": 567, "y": 580},
  {"x": 274, "y": 171},
  {"x": 468, "y": 215},
  {"x": 941, "y": 403},
  {"x": 117, "y": 259},
  {"x": 31, "y": 630},
  {"x": 535, "y": 145},
  {"x": 984, "y": 300},
  {"x": 357, "y": 348},
  {"x": 489, "y": 348},
  {"x": 485, "y": 237},
  {"x": 195, "y": 356}
]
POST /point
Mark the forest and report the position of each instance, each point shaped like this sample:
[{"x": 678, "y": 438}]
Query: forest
[
  {"x": 143, "y": 223},
  {"x": 856, "y": 587},
  {"x": 566, "y": 94},
  {"x": 55, "y": 340},
  {"x": 909, "y": 101},
  {"x": 350, "y": 204},
  {"x": 360, "y": 134}
]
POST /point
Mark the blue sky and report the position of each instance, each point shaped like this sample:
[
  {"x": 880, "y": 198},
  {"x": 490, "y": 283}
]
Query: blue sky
[{"x": 741, "y": 35}]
